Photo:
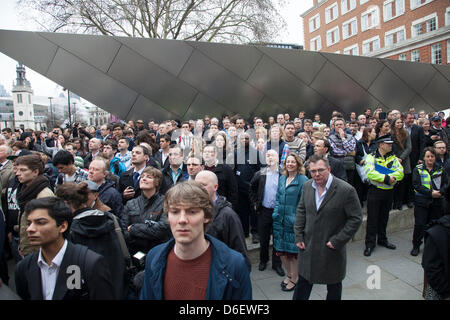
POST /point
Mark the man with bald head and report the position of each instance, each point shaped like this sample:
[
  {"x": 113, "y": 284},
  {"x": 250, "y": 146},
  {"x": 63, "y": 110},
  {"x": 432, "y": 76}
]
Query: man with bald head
[
  {"x": 225, "y": 225},
  {"x": 95, "y": 146}
]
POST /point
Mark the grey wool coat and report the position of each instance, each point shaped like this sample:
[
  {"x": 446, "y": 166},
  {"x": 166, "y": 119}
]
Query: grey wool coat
[{"x": 337, "y": 220}]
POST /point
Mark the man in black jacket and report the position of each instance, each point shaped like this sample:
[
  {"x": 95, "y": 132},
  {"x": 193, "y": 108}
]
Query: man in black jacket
[
  {"x": 263, "y": 191},
  {"x": 322, "y": 148},
  {"x": 176, "y": 172},
  {"x": 246, "y": 164},
  {"x": 225, "y": 175},
  {"x": 108, "y": 194},
  {"x": 225, "y": 224},
  {"x": 129, "y": 180},
  {"x": 82, "y": 273}
]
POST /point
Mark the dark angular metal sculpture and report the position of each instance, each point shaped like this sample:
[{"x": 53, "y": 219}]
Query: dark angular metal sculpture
[{"x": 135, "y": 78}]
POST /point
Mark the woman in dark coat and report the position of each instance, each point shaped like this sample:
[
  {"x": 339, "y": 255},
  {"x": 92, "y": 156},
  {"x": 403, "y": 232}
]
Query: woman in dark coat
[
  {"x": 288, "y": 196},
  {"x": 143, "y": 218}
]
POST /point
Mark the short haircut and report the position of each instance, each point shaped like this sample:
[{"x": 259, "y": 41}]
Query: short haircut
[
  {"x": 191, "y": 193},
  {"x": 429, "y": 149},
  {"x": 437, "y": 142},
  {"x": 165, "y": 137},
  {"x": 124, "y": 138},
  {"x": 63, "y": 157},
  {"x": 115, "y": 125},
  {"x": 156, "y": 174},
  {"x": 326, "y": 143},
  {"x": 112, "y": 143},
  {"x": 32, "y": 161},
  {"x": 193, "y": 156},
  {"x": 316, "y": 158},
  {"x": 289, "y": 123},
  {"x": 176, "y": 146},
  {"x": 339, "y": 119},
  {"x": 57, "y": 209},
  {"x": 308, "y": 121},
  {"x": 145, "y": 150},
  {"x": 7, "y": 130}
]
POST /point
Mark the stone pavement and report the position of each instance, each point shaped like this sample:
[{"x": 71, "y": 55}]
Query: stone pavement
[{"x": 401, "y": 274}]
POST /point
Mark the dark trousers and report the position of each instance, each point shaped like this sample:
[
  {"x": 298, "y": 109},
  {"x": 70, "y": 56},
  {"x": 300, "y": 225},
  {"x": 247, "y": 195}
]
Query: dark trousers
[
  {"x": 361, "y": 189},
  {"x": 409, "y": 189},
  {"x": 351, "y": 175},
  {"x": 265, "y": 224},
  {"x": 423, "y": 216},
  {"x": 379, "y": 203},
  {"x": 247, "y": 214},
  {"x": 401, "y": 190},
  {"x": 303, "y": 290}
]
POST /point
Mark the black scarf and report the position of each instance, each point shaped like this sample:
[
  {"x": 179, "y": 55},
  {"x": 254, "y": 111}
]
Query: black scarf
[{"x": 30, "y": 192}]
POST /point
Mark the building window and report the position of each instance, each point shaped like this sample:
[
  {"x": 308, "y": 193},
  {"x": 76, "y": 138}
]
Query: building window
[
  {"x": 392, "y": 9},
  {"x": 436, "y": 54},
  {"x": 332, "y": 36},
  {"x": 349, "y": 28},
  {"x": 331, "y": 13},
  {"x": 415, "y": 56},
  {"x": 316, "y": 44},
  {"x": 29, "y": 99},
  {"x": 394, "y": 36},
  {"x": 371, "y": 45},
  {"x": 363, "y": 1},
  {"x": 447, "y": 16},
  {"x": 426, "y": 24},
  {"x": 402, "y": 57},
  {"x": 418, "y": 3},
  {"x": 370, "y": 18},
  {"x": 20, "y": 113},
  {"x": 353, "y": 50},
  {"x": 19, "y": 98},
  {"x": 347, "y": 6},
  {"x": 314, "y": 23}
]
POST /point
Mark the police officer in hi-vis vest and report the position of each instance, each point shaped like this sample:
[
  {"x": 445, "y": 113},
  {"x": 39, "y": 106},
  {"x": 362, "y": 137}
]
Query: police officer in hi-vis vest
[
  {"x": 383, "y": 171},
  {"x": 429, "y": 182}
]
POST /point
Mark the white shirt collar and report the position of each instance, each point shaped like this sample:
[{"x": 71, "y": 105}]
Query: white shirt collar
[
  {"x": 140, "y": 171},
  {"x": 328, "y": 184},
  {"x": 4, "y": 163},
  {"x": 57, "y": 260}
]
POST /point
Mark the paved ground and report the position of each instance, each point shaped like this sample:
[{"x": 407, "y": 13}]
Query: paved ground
[{"x": 401, "y": 274}]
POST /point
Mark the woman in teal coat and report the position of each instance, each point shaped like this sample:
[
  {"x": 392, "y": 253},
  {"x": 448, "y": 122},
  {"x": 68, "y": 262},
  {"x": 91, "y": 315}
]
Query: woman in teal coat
[{"x": 288, "y": 196}]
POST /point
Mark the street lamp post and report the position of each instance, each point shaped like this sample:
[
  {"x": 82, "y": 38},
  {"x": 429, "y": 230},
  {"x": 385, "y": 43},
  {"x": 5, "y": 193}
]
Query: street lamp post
[
  {"x": 75, "y": 112},
  {"x": 51, "y": 112}
]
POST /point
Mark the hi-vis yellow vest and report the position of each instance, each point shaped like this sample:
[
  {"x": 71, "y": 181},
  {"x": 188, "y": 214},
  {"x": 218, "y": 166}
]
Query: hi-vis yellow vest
[
  {"x": 377, "y": 168},
  {"x": 425, "y": 178}
]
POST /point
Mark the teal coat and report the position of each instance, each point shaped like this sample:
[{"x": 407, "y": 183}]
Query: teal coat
[{"x": 284, "y": 213}]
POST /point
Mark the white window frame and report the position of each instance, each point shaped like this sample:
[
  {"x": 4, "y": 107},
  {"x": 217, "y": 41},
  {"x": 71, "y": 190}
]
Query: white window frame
[
  {"x": 394, "y": 14},
  {"x": 447, "y": 17},
  {"x": 413, "y": 6},
  {"x": 368, "y": 41},
  {"x": 392, "y": 32},
  {"x": 338, "y": 52},
  {"x": 338, "y": 37},
  {"x": 422, "y": 20},
  {"x": 448, "y": 51},
  {"x": 370, "y": 10},
  {"x": 432, "y": 56},
  {"x": 312, "y": 19},
  {"x": 334, "y": 5},
  {"x": 314, "y": 40},
  {"x": 345, "y": 25},
  {"x": 361, "y": 2},
  {"x": 347, "y": 10},
  {"x": 351, "y": 48},
  {"x": 417, "y": 50},
  {"x": 403, "y": 54}
]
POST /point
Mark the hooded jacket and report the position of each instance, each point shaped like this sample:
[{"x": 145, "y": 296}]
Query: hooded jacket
[
  {"x": 229, "y": 278},
  {"x": 436, "y": 256},
  {"x": 95, "y": 230},
  {"x": 226, "y": 226}
]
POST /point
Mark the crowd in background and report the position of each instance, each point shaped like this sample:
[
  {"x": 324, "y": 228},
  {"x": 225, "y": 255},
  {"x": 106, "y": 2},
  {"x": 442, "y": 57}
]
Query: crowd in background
[{"x": 118, "y": 174}]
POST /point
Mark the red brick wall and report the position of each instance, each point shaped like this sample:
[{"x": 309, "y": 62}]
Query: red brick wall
[
  {"x": 438, "y": 6},
  {"x": 425, "y": 53}
]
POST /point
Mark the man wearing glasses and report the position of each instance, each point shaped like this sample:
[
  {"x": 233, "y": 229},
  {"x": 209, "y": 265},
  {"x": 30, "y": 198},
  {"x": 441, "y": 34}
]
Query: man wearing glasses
[
  {"x": 194, "y": 166},
  {"x": 328, "y": 215}
]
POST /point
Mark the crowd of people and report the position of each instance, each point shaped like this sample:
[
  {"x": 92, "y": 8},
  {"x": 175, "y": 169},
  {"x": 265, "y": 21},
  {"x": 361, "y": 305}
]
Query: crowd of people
[{"x": 162, "y": 210}]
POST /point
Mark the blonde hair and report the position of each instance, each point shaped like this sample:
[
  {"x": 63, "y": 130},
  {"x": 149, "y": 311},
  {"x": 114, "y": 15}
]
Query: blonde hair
[{"x": 300, "y": 167}]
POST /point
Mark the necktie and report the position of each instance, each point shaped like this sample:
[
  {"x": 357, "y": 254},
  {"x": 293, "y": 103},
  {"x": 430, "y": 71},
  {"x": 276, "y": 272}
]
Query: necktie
[{"x": 135, "y": 178}]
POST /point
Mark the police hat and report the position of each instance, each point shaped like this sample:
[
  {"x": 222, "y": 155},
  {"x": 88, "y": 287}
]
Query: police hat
[
  {"x": 386, "y": 139},
  {"x": 435, "y": 118}
]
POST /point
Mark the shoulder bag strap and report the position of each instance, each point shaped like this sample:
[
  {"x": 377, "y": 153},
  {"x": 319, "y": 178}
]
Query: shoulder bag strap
[{"x": 123, "y": 245}]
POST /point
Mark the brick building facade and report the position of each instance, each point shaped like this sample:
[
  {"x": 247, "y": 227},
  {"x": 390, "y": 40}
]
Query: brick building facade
[{"x": 412, "y": 30}]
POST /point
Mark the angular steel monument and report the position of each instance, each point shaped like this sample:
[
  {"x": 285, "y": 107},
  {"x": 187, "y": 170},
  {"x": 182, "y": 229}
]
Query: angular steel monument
[{"x": 136, "y": 78}]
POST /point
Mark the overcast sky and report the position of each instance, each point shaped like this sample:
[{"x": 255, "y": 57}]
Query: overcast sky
[{"x": 10, "y": 19}]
